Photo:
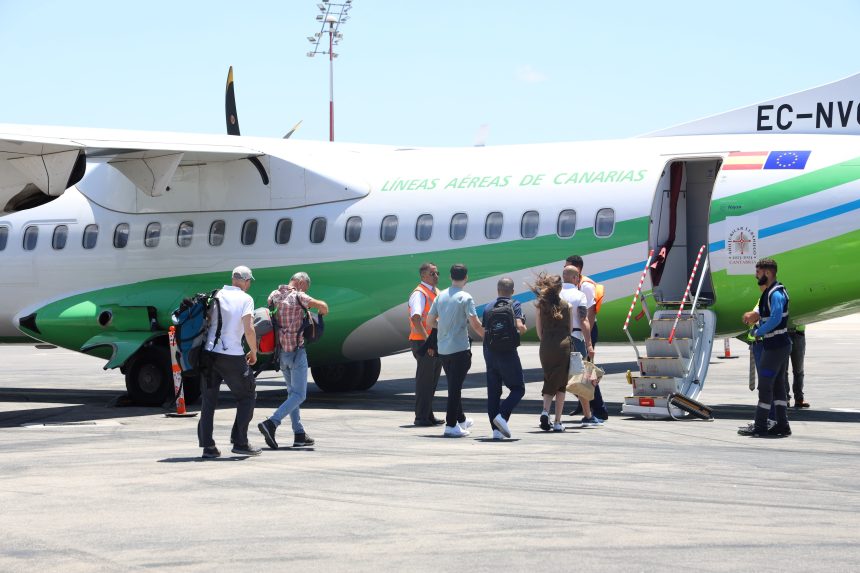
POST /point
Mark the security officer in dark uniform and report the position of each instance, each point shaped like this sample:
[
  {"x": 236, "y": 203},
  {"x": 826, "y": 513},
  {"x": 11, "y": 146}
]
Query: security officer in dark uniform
[{"x": 772, "y": 331}]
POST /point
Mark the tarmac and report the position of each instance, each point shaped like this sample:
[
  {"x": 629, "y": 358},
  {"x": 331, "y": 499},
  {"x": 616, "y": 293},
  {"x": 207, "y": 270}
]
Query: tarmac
[{"x": 89, "y": 486}]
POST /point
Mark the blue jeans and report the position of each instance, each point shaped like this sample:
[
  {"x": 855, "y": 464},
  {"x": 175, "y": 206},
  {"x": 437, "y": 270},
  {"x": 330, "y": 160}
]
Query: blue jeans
[
  {"x": 503, "y": 368},
  {"x": 294, "y": 366}
]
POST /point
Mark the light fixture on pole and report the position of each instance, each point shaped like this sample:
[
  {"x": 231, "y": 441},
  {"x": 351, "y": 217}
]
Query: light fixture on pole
[{"x": 332, "y": 15}]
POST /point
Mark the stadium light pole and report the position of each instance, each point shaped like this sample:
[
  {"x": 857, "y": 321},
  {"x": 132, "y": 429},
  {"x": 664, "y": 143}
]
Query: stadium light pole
[{"x": 332, "y": 16}]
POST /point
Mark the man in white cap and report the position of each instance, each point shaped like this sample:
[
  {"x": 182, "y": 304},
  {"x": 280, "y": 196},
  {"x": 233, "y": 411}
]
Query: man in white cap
[{"x": 226, "y": 361}]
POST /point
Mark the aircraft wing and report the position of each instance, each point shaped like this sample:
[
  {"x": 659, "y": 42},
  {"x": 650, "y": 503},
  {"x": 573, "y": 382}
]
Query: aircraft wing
[{"x": 52, "y": 159}]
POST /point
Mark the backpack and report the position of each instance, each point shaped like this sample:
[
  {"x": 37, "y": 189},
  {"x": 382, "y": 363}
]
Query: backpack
[
  {"x": 501, "y": 327},
  {"x": 312, "y": 325},
  {"x": 192, "y": 324},
  {"x": 599, "y": 293}
]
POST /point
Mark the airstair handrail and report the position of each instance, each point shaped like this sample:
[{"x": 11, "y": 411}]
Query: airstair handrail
[
  {"x": 633, "y": 302},
  {"x": 687, "y": 292}
]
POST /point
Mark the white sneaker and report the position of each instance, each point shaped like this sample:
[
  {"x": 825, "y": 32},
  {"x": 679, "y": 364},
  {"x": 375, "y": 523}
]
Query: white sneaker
[
  {"x": 466, "y": 424},
  {"x": 557, "y": 427},
  {"x": 497, "y": 435},
  {"x": 502, "y": 425},
  {"x": 455, "y": 431}
]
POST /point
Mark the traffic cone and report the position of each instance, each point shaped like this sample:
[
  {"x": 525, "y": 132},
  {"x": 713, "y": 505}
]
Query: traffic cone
[{"x": 727, "y": 349}]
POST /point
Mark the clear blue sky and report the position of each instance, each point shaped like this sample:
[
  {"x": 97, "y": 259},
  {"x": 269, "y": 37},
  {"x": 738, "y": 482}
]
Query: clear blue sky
[{"x": 416, "y": 73}]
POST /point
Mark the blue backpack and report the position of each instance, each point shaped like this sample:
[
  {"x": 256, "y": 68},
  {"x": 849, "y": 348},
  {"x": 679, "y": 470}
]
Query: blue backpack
[{"x": 192, "y": 320}]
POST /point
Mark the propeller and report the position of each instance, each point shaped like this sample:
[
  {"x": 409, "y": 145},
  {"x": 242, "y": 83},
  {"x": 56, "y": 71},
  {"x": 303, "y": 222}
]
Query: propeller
[{"x": 233, "y": 124}]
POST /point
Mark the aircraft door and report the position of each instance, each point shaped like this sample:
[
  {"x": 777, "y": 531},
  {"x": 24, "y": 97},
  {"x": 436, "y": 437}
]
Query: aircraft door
[{"x": 680, "y": 225}]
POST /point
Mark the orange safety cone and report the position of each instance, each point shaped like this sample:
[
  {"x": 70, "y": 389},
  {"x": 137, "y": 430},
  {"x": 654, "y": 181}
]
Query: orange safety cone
[
  {"x": 177, "y": 380},
  {"x": 727, "y": 350}
]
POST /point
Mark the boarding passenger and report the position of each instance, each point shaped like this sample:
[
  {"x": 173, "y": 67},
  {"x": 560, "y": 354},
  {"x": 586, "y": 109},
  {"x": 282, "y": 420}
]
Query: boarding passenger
[
  {"x": 428, "y": 365},
  {"x": 594, "y": 293},
  {"x": 225, "y": 361},
  {"x": 580, "y": 335},
  {"x": 553, "y": 324},
  {"x": 451, "y": 313},
  {"x": 292, "y": 301},
  {"x": 772, "y": 329},
  {"x": 503, "y": 323}
]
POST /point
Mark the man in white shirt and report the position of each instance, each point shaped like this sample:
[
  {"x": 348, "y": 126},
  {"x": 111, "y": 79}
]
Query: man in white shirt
[
  {"x": 580, "y": 335},
  {"x": 225, "y": 360}
]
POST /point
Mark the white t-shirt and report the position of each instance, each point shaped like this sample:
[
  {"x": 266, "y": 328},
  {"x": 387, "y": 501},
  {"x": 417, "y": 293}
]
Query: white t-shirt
[
  {"x": 577, "y": 299},
  {"x": 588, "y": 290},
  {"x": 235, "y": 303}
]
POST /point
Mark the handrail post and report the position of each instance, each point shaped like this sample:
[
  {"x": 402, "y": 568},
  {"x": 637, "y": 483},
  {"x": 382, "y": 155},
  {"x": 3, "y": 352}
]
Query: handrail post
[{"x": 633, "y": 304}]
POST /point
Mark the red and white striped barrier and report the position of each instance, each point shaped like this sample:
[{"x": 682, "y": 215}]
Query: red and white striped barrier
[
  {"x": 178, "y": 390},
  {"x": 686, "y": 292}
]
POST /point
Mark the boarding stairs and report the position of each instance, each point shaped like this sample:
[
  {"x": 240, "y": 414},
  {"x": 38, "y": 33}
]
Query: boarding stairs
[{"x": 677, "y": 353}]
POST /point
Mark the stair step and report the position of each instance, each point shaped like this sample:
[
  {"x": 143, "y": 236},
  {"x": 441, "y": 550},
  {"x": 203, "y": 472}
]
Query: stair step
[
  {"x": 662, "y": 366},
  {"x": 659, "y": 346},
  {"x": 654, "y": 386}
]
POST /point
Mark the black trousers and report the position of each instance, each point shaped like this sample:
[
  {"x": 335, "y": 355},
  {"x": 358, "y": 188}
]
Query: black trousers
[
  {"x": 235, "y": 372},
  {"x": 456, "y": 367}
]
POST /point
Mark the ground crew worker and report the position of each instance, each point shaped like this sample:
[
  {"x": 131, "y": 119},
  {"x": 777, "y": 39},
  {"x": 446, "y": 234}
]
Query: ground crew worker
[
  {"x": 772, "y": 329},
  {"x": 428, "y": 366}
]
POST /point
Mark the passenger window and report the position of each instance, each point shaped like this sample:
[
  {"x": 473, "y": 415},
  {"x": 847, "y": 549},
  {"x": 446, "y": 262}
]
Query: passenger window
[
  {"x": 352, "y": 232},
  {"x": 283, "y": 231},
  {"x": 185, "y": 233},
  {"x": 424, "y": 227},
  {"x": 493, "y": 225},
  {"x": 31, "y": 237},
  {"x": 4, "y": 237},
  {"x": 61, "y": 234},
  {"x": 459, "y": 222},
  {"x": 249, "y": 232},
  {"x": 91, "y": 236},
  {"x": 216, "y": 233},
  {"x": 388, "y": 228},
  {"x": 152, "y": 235},
  {"x": 120, "y": 236},
  {"x": 604, "y": 223},
  {"x": 318, "y": 227},
  {"x": 566, "y": 223},
  {"x": 529, "y": 224}
]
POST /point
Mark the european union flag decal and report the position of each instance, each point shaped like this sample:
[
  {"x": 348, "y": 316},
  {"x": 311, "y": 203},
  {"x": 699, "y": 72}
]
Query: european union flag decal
[{"x": 787, "y": 160}]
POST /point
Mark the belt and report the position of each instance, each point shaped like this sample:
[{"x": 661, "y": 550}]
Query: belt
[{"x": 576, "y": 330}]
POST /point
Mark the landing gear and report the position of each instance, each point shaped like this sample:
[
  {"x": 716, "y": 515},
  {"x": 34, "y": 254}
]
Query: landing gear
[
  {"x": 147, "y": 377},
  {"x": 347, "y": 376}
]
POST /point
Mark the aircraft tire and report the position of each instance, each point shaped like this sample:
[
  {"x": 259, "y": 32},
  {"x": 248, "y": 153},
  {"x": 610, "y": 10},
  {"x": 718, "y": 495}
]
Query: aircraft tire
[
  {"x": 343, "y": 377},
  {"x": 147, "y": 377},
  {"x": 372, "y": 368}
]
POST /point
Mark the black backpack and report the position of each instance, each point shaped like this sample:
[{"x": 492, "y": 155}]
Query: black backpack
[
  {"x": 500, "y": 325},
  {"x": 312, "y": 324}
]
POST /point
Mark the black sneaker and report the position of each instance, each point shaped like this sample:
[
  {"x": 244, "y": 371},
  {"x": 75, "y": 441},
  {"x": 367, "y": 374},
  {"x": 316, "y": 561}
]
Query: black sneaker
[
  {"x": 268, "y": 429},
  {"x": 544, "y": 423},
  {"x": 752, "y": 431},
  {"x": 781, "y": 430},
  {"x": 211, "y": 452},
  {"x": 302, "y": 440},
  {"x": 247, "y": 450}
]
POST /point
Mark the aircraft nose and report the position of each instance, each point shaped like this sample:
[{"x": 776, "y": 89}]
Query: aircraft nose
[{"x": 29, "y": 323}]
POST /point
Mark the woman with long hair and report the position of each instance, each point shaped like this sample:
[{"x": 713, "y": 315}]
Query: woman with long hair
[{"x": 553, "y": 324}]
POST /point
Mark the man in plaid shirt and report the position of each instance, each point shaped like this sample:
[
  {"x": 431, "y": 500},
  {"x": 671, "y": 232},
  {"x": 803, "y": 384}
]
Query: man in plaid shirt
[{"x": 288, "y": 300}]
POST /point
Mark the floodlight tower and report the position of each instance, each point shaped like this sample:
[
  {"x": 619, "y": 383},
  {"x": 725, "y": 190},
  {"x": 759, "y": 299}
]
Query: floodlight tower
[{"x": 332, "y": 15}]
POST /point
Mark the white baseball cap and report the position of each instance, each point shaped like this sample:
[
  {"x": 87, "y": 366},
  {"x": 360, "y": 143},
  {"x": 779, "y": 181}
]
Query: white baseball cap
[{"x": 242, "y": 272}]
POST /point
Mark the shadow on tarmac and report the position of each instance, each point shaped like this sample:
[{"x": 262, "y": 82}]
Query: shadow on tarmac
[{"x": 389, "y": 395}]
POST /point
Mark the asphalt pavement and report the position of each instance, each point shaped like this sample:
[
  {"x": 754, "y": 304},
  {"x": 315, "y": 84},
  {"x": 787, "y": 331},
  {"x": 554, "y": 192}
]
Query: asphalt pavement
[{"x": 86, "y": 485}]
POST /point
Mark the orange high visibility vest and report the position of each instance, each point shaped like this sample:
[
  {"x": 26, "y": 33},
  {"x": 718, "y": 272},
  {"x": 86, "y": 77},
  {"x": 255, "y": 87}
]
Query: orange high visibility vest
[
  {"x": 429, "y": 297},
  {"x": 598, "y": 293}
]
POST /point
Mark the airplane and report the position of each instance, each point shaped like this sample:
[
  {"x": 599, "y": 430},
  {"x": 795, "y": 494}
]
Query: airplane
[{"x": 104, "y": 232}]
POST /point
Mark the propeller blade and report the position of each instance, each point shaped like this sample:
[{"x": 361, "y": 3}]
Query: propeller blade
[
  {"x": 230, "y": 106},
  {"x": 293, "y": 130}
]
